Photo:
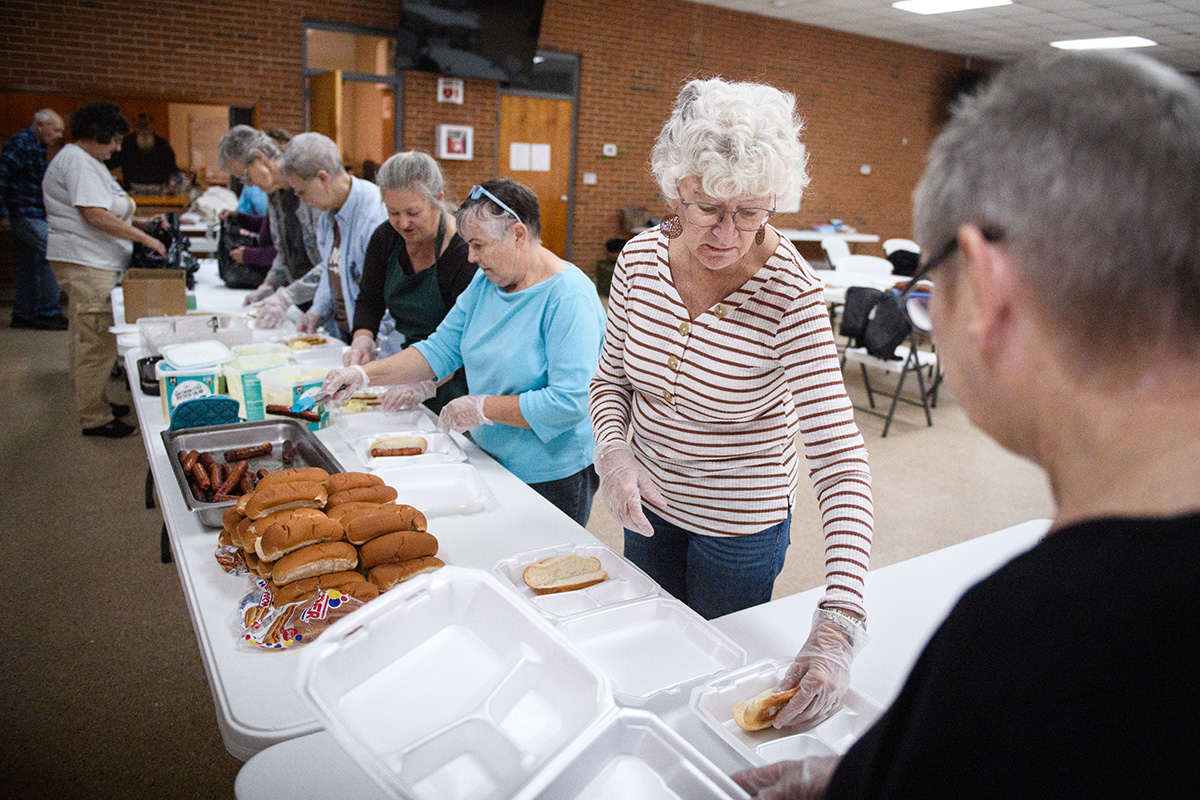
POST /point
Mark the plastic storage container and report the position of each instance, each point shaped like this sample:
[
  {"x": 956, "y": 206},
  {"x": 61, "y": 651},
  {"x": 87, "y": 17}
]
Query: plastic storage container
[
  {"x": 625, "y": 581},
  {"x": 450, "y": 687},
  {"x": 176, "y": 386},
  {"x": 242, "y": 379},
  {"x": 284, "y": 385},
  {"x": 262, "y": 349},
  {"x": 714, "y": 700},
  {"x": 157, "y": 332}
]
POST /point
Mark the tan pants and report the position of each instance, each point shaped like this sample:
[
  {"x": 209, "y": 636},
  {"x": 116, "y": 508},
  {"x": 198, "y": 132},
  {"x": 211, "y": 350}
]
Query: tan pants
[{"x": 92, "y": 348}]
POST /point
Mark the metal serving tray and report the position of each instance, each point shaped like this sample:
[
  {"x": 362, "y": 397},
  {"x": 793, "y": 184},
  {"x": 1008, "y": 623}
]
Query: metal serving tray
[{"x": 216, "y": 439}]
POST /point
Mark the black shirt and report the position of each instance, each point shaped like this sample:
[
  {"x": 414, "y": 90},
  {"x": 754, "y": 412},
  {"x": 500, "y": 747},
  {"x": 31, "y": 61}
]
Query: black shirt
[
  {"x": 153, "y": 167},
  {"x": 454, "y": 274},
  {"x": 1070, "y": 672}
]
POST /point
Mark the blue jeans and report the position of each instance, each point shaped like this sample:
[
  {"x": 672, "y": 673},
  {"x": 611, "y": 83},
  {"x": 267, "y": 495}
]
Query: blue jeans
[
  {"x": 715, "y": 575},
  {"x": 36, "y": 293},
  {"x": 572, "y": 494}
]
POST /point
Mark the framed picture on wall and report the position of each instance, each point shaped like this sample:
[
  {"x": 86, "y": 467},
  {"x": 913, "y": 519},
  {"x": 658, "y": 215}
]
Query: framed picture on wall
[{"x": 455, "y": 142}]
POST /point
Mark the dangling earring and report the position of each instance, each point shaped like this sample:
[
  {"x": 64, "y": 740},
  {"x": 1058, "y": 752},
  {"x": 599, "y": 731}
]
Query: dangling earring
[
  {"x": 671, "y": 226},
  {"x": 761, "y": 236}
]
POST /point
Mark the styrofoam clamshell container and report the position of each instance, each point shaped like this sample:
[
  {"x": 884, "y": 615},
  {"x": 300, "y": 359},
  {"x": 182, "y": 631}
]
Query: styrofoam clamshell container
[
  {"x": 713, "y": 702},
  {"x": 651, "y": 649},
  {"x": 355, "y": 424},
  {"x": 450, "y": 688},
  {"x": 323, "y": 356},
  {"x": 440, "y": 489},
  {"x": 440, "y": 449},
  {"x": 625, "y": 581}
]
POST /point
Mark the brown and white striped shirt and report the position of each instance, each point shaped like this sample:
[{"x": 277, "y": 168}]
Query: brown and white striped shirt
[{"x": 715, "y": 404}]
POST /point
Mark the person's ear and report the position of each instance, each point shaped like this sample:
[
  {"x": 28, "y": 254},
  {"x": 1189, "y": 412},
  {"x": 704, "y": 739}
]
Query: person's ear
[
  {"x": 994, "y": 291},
  {"x": 520, "y": 234}
]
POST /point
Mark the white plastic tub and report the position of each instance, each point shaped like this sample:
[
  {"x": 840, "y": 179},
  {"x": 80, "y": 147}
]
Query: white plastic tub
[
  {"x": 651, "y": 649},
  {"x": 714, "y": 700},
  {"x": 625, "y": 581},
  {"x": 453, "y": 689}
]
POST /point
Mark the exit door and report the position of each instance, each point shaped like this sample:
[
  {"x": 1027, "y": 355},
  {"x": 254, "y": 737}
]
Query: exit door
[{"x": 535, "y": 149}]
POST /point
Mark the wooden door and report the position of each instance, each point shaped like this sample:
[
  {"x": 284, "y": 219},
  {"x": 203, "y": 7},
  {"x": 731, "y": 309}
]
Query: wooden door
[
  {"x": 325, "y": 105},
  {"x": 540, "y": 129}
]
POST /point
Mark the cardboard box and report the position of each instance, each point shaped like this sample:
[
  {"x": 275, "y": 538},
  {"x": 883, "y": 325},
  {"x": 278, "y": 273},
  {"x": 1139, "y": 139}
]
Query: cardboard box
[{"x": 154, "y": 293}]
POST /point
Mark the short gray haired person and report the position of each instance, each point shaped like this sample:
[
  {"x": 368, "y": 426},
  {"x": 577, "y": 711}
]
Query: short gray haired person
[
  {"x": 414, "y": 270},
  {"x": 310, "y": 153},
  {"x": 717, "y": 354},
  {"x": 1060, "y": 210},
  {"x": 254, "y": 157}
]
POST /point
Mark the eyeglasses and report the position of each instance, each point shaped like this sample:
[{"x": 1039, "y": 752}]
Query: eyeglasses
[
  {"x": 916, "y": 303},
  {"x": 706, "y": 215},
  {"x": 478, "y": 191}
]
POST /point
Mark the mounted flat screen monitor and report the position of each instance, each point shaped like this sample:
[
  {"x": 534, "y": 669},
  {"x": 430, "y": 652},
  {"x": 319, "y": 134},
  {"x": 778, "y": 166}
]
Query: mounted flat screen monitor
[{"x": 491, "y": 39}]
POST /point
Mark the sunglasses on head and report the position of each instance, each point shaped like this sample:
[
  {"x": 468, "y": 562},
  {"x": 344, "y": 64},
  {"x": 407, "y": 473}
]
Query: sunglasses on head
[{"x": 478, "y": 191}]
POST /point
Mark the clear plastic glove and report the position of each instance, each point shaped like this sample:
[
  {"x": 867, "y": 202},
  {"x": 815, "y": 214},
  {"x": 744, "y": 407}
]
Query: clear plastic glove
[
  {"x": 407, "y": 395},
  {"x": 362, "y": 351},
  {"x": 463, "y": 413},
  {"x": 789, "y": 780},
  {"x": 264, "y": 291},
  {"x": 625, "y": 485},
  {"x": 341, "y": 383},
  {"x": 822, "y": 671},
  {"x": 309, "y": 322},
  {"x": 273, "y": 310}
]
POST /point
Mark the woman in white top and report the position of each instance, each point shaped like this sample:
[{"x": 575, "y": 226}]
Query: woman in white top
[{"x": 89, "y": 244}]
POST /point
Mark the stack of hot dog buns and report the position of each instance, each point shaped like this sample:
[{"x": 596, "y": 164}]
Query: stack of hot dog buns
[{"x": 306, "y": 531}]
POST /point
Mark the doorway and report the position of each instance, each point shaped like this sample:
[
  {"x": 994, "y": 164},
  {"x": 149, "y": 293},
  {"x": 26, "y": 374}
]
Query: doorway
[{"x": 535, "y": 149}]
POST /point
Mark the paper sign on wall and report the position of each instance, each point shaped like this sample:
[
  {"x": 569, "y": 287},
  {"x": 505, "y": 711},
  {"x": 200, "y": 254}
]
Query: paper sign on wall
[
  {"x": 450, "y": 90},
  {"x": 518, "y": 156},
  {"x": 539, "y": 157}
]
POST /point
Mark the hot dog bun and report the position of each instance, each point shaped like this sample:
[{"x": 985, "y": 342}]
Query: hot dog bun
[
  {"x": 364, "y": 494},
  {"x": 563, "y": 574},
  {"x": 290, "y": 530},
  {"x": 282, "y": 496},
  {"x": 315, "y": 474},
  {"x": 397, "y": 546},
  {"x": 340, "y": 511},
  {"x": 759, "y": 711},
  {"x": 365, "y": 524},
  {"x": 313, "y": 560},
  {"x": 230, "y": 517},
  {"x": 307, "y": 588},
  {"x": 351, "y": 480},
  {"x": 385, "y": 576}
]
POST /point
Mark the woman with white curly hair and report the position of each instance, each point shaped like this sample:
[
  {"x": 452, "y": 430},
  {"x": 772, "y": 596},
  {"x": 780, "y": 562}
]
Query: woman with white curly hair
[{"x": 718, "y": 351}]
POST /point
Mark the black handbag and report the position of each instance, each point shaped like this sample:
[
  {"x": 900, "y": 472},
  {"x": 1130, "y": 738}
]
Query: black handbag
[
  {"x": 887, "y": 327},
  {"x": 179, "y": 250},
  {"x": 235, "y": 275}
]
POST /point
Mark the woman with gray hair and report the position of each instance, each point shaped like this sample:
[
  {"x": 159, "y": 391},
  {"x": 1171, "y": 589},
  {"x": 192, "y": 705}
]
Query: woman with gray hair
[
  {"x": 255, "y": 158},
  {"x": 527, "y": 331},
  {"x": 416, "y": 266},
  {"x": 717, "y": 353}
]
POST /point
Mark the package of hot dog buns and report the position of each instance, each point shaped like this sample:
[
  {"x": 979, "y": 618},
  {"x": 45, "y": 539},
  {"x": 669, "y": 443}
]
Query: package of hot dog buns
[{"x": 316, "y": 546}]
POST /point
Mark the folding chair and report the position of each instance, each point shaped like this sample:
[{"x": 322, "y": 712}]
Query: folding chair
[{"x": 910, "y": 359}]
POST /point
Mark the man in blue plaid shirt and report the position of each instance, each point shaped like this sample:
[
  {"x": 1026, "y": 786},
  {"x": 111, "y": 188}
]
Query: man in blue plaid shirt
[{"x": 22, "y": 165}]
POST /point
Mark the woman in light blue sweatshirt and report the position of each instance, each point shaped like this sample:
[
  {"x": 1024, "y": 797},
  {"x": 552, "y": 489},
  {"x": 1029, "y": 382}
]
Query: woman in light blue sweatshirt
[{"x": 528, "y": 329}]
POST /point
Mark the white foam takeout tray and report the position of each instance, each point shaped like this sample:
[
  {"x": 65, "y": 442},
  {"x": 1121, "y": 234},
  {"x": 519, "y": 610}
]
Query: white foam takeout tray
[
  {"x": 651, "y": 649},
  {"x": 625, "y": 581},
  {"x": 441, "y": 449},
  {"x": 353, "y": 426},
  {"x": 451, "y": 687},
  {"x": 440, "y": 489},
  {"x": 713, "y": 702}
]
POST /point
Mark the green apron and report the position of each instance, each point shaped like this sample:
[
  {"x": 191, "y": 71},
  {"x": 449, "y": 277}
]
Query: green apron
[{"x": 417, "y": 307}]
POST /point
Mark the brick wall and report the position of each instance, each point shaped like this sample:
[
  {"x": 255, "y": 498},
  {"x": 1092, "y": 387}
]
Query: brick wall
[{"x": 865, "y": 101}]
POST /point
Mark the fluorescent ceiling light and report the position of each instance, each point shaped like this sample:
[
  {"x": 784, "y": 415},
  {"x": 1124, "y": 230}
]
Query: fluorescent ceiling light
[
  {"x": 946, "y": 6},
  {"x": 1108, "y": 43}
]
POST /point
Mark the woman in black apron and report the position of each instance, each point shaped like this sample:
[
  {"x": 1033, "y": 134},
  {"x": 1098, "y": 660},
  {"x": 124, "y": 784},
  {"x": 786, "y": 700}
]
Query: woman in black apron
[{"x": 416, "y": 264}]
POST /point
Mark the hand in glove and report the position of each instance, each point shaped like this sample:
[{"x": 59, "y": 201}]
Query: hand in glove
[
  {"x": 789, "y": 780},
  {"x": 463, "y": 413},
  {"x": 821, "y": 669},
  {"x": 273, "y": 309},
  {"x": 263, "y": 291},
  {"x": 624, "y": 485},
  {"x": 308, "y": 322},
  {"x": 406, "y": 396},
  {"x": 362, "y": 351},
  {"x": 345, "y": 381}
]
